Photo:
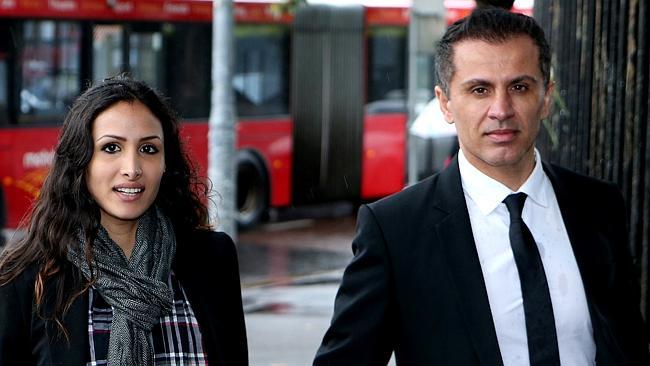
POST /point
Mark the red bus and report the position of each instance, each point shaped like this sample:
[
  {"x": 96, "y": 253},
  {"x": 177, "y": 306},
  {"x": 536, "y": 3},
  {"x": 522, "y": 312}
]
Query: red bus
[{"x": 320, "y": 95}]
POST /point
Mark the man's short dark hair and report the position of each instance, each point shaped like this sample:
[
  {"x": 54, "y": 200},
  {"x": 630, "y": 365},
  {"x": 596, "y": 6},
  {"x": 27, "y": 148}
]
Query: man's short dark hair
[{"x": 491, "y": 25}]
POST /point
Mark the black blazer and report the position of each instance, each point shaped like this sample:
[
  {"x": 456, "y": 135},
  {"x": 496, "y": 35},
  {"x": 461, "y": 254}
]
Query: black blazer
[
  {"x": 415, "y": 284},
  {"x": 205, "y": 265}
]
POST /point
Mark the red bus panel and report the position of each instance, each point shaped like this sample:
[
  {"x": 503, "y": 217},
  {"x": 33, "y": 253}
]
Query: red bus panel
[
  {"x": 147, "y": 10},
  {"x": 384, "y": 155},
  {"x": 26, "y": 157},
  {"x": 271, "y": 139}
]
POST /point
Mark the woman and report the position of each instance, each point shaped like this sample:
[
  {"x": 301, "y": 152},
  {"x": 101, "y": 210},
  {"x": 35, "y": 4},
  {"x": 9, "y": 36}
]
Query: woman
[{"x": 117, "y": 264}]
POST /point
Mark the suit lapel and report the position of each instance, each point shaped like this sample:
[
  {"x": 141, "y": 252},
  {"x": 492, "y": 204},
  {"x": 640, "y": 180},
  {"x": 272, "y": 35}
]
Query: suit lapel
[{"x": 455, "y": 236}]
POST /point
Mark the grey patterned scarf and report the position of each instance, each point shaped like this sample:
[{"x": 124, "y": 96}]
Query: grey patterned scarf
[{"x": 136, "y": 288}]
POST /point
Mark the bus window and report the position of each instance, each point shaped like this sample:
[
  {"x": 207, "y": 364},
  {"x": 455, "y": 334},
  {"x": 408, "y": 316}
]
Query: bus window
[
  {"x": 107, "y": 51},
  {"x": 261, "y": 77},
  {"x": 386, "y": 69},
  {"x": 145, "y": 58},
  {"x": 4, "y": 79},
  {"x": 188, "y": 51},
  {"x": 49, "y": 59}
]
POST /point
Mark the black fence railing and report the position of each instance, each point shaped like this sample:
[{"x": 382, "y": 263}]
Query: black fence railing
[{"x": 600, "y": 121}]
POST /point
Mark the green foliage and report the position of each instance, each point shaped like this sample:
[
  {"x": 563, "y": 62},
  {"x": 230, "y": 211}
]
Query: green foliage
[
  {"x": 551, "y": 123},
  {"x": 288, "y": 7}
]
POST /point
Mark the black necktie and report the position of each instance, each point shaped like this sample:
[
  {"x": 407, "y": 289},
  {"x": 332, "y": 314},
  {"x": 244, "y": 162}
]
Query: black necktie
[{"x": 540, "y": 323}]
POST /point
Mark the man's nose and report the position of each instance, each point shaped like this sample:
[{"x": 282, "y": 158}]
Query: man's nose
[{"x": 501, "y": 108}]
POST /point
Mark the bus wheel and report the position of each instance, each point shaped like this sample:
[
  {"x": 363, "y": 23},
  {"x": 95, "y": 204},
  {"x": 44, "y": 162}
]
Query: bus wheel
[{"x": 252, "y": 190}]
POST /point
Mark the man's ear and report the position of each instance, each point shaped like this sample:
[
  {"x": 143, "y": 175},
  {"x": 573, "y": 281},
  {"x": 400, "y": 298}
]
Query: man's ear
[
  {"x": 548, "y": 98},
  {"x": 445, "y": 103}
]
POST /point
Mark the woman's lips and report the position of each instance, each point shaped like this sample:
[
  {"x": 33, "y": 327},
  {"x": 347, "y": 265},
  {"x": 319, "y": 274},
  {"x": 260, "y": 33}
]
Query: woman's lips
[{"x": 129, "y": 193}]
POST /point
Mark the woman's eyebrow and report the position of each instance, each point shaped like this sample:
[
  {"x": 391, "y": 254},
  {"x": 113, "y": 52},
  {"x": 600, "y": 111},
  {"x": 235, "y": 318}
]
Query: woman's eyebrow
[{"x": 120, "y": 138}]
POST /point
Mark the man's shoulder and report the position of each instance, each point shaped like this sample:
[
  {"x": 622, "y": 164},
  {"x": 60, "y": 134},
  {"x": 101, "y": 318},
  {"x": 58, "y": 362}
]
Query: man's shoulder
[
  {"x": 414, "y": 204},
  {"x": 588, "y": 195},
  {"x": 578, "y": 183},
  {"x": 412, "y": 194}
]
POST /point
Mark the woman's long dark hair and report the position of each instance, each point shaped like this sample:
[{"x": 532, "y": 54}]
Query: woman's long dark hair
[{"x": 64, "y": 205}]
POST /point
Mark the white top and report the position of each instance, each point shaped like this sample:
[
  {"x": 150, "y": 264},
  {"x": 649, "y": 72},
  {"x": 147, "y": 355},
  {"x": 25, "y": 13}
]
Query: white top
[{"x": 490, "y": 222}]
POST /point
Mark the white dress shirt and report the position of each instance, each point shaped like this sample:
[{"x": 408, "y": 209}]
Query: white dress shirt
[{"x": 490, "y": 222}]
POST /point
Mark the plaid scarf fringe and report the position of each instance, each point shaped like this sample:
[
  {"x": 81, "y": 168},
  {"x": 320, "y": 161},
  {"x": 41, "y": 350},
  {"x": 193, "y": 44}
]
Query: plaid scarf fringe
[{"x": 176, "y": 338}]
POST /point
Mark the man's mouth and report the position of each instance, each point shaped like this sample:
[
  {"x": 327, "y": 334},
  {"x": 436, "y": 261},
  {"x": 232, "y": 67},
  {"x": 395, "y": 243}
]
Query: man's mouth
[{"x": 502, "y": 136}]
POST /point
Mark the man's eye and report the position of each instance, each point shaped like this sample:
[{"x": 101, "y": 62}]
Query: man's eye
[
  {"x": 479, "y": 91},
  {"x": 111, "y": 148},
  {"x": 149, "y": 149},
  {"x": 520, "y": 87}
]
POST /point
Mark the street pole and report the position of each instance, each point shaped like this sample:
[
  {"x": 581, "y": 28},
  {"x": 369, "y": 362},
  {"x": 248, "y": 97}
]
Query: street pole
[
  {"x": 426, "y": 27},
  {"x": 221, "y": 134}
]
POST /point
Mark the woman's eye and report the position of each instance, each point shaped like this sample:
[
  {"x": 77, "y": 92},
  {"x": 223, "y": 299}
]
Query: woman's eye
[
  {"x": 111, "y": 148},
  {"x": 149, "y": 149}
]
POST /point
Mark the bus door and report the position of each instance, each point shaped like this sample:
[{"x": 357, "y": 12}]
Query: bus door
[{"x": 327, "y": 103}]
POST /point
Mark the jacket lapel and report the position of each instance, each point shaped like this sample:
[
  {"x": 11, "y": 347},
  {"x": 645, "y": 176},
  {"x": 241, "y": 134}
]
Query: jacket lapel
[
  {"x": 194, "y": 286},
  {"x": 75, "y": 350},
  {"x": 455, "y": 236}
]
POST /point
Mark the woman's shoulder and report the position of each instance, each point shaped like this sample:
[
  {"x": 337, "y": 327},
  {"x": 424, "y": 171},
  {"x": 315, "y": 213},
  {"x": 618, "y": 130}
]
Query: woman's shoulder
[
  {"x": 204, "y": 254},
  {"x": 201, "y": 245},
  {"x": 16, "y": 298},
  {"x": 209, "y": 237},
  {"x": 24, "y": 281},
  {"x": 203, "y": 239}
]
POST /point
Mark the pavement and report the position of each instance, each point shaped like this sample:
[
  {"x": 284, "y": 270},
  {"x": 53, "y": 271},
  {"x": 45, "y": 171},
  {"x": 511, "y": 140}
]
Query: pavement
[
  {"x": 279, "y": 252},
  {"x": 290, "y": 271}
]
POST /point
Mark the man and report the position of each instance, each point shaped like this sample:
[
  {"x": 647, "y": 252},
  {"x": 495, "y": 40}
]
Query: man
[{"x": 446, "y": 273}]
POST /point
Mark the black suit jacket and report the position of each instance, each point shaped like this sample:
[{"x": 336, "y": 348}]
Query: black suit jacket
[
  {"x": 205, "y": 265},
  {"x": 415, "y": 284}
]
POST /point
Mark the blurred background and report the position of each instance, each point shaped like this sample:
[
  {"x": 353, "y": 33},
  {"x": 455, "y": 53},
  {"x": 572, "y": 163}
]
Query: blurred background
[{"x": 333, "y": 104}]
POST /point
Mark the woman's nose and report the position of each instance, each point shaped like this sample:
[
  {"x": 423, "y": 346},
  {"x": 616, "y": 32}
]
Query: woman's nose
[{"x": 131, "y": 168}]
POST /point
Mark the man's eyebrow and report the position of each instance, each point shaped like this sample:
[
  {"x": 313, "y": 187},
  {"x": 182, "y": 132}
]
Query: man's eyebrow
[
  {"x": 476, "y": 81},
  {"x": 518, "y": 79},
  {"x": 528, "y": 78}
]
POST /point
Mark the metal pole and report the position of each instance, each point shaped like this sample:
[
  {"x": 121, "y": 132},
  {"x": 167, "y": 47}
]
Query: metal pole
[
  {"x": 425, "y": 28},
  {"x": 221, "y": 135}
]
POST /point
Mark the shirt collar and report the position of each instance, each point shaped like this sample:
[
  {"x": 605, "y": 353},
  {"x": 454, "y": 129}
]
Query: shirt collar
[{"x": 488, "y": 193}]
